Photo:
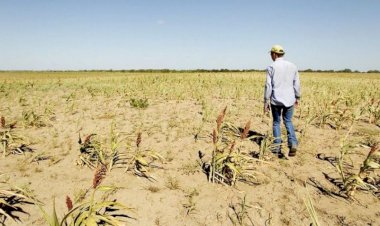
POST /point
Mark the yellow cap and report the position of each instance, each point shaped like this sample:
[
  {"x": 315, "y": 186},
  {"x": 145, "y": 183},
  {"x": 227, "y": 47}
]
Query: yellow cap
[{"x": 277, "y": 49}]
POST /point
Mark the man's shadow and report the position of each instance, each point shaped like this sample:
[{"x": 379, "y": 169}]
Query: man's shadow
[{"x": 254, "y": 136}]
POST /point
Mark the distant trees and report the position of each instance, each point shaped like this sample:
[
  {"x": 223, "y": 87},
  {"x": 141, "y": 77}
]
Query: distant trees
[
  {"x": 175, "y": 71},
  {"x": 311, "y": 70},
  {"x": 346, "y": 70},
  {"x": 194, "y": 70}
]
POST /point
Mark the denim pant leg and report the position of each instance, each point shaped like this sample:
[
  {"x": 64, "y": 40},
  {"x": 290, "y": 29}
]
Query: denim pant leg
[
  {"x": 276, "y": 113},
  {"x": 287, "y": 115}
]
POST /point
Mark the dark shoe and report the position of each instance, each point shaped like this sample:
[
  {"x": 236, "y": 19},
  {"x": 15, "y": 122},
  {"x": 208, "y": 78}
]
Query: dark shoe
[
  {"x": 281, "y": 155},
  {"x": 293, "y": 151},
  {"x": 278, "y": 152}
]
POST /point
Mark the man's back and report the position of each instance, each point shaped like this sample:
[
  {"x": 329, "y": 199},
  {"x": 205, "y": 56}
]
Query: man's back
[{"x": 283, "y": 85}]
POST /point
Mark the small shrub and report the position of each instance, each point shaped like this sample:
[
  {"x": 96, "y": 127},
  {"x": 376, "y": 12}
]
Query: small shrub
[
  {"x": 239, "y": 214},
  {"x": 141, "y": 160},
  {"x": 153, "y": 189},
  {"x": 11, "y": 141},
  {"x": 34, "y": 119},
  {"x": 229, "y": 163},
  {"x": 365, "y": 178},
  {"x": 172, "y": 183},
  {"x": 139, "y": 103},
  {"x": 91, "y": 211},
  {"x": 190, "y": 204},
  {"x": 93, "y": 153}
]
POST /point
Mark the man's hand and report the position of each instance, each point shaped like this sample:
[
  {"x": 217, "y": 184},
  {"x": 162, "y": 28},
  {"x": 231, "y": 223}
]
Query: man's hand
[
  {"x": 296, "y": 103},
  {"x": 266, "y": 107}
]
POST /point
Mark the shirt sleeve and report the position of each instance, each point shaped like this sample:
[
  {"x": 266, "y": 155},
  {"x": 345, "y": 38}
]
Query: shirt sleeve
[
  {"x": 268, "y": 85},
  {"x": 297, "y": 85}
]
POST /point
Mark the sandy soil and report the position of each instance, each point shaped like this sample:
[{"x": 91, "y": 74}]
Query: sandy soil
[{"x": 169, "y": 127}]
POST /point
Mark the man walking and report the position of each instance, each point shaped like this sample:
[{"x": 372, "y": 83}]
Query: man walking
[{"x": 282, "y": 93}]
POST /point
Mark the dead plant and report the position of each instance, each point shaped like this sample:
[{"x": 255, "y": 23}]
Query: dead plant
[
  {"x": 32, "y": 118},
  {"x": 229, "y": 163},
  {"x": 11, "y": 141},
  {"x": 12, "y": 200},
  {"x": 141, "y": 160},
  {"x": 363, "y": 179},
  {"x": 94, "y": 153}
]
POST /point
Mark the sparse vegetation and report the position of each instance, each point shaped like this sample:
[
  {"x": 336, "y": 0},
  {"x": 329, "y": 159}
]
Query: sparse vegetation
[
  {"x": 34, "y": 119},
  {"x": 239, "y": 213},
  {"x": 190, "y": 204},
  {"x": 172, "y": 183},
  {"x": 173, "y": 115},
  {"x": 153, "y": 188},
  {"x": 139, "y": 103}
]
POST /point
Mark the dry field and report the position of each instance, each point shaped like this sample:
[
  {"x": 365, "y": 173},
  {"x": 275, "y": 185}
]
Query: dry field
[{"x": 124, "y": 148}]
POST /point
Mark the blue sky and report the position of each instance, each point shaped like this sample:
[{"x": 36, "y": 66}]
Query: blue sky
[{"x": 187, "y": 34}]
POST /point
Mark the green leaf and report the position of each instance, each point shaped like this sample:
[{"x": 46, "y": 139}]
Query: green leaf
[
  {"x": 113, "y": 204},
  {"x": 105, "y": 188},
  {"x": 220, "y": 158},
  {"x": 55, "y": 218},
  {"x": 359, "y": 181},
  {"x": 109, "y": 219},
  {"x": 71, "y": 212},
  {"x": 142, "y": 161},
  {"x": 91, "y": 221},
  {"x": 81, "y": 217},
  {"x": 233, "y": 168},
  {"x": 372, "y": 164},
  {"x": 155, "y": 155}
]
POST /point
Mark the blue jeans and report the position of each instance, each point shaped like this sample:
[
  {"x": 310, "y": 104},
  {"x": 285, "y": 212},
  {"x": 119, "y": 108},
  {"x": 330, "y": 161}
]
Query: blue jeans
[{"x": 287, "y": 114}]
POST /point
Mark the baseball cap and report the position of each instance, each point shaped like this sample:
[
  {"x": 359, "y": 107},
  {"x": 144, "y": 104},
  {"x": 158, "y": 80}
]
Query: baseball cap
[{"x": 277, "y": 49}]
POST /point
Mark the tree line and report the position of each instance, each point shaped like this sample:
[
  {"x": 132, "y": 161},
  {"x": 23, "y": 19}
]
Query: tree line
[{"x": 191, "y": 70}]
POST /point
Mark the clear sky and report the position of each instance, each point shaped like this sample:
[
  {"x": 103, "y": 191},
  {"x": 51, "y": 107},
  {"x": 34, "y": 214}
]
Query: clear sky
[{"x": 187, "y": 34}]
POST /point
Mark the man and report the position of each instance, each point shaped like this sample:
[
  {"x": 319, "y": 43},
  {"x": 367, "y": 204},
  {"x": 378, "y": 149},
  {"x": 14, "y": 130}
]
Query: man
[{"x": 282, "y": 94}]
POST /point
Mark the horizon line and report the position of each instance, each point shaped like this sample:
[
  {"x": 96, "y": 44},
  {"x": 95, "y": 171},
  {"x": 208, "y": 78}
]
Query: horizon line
[{"x": 167, "y": 70}]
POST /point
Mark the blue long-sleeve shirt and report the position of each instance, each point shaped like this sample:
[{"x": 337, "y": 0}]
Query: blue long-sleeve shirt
[{"x": 282, "y": 86}]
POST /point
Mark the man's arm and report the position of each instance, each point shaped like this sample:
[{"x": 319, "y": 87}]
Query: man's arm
[
  {"x": 297, "y": 86},
  {"x": 268, "y": 89}
]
